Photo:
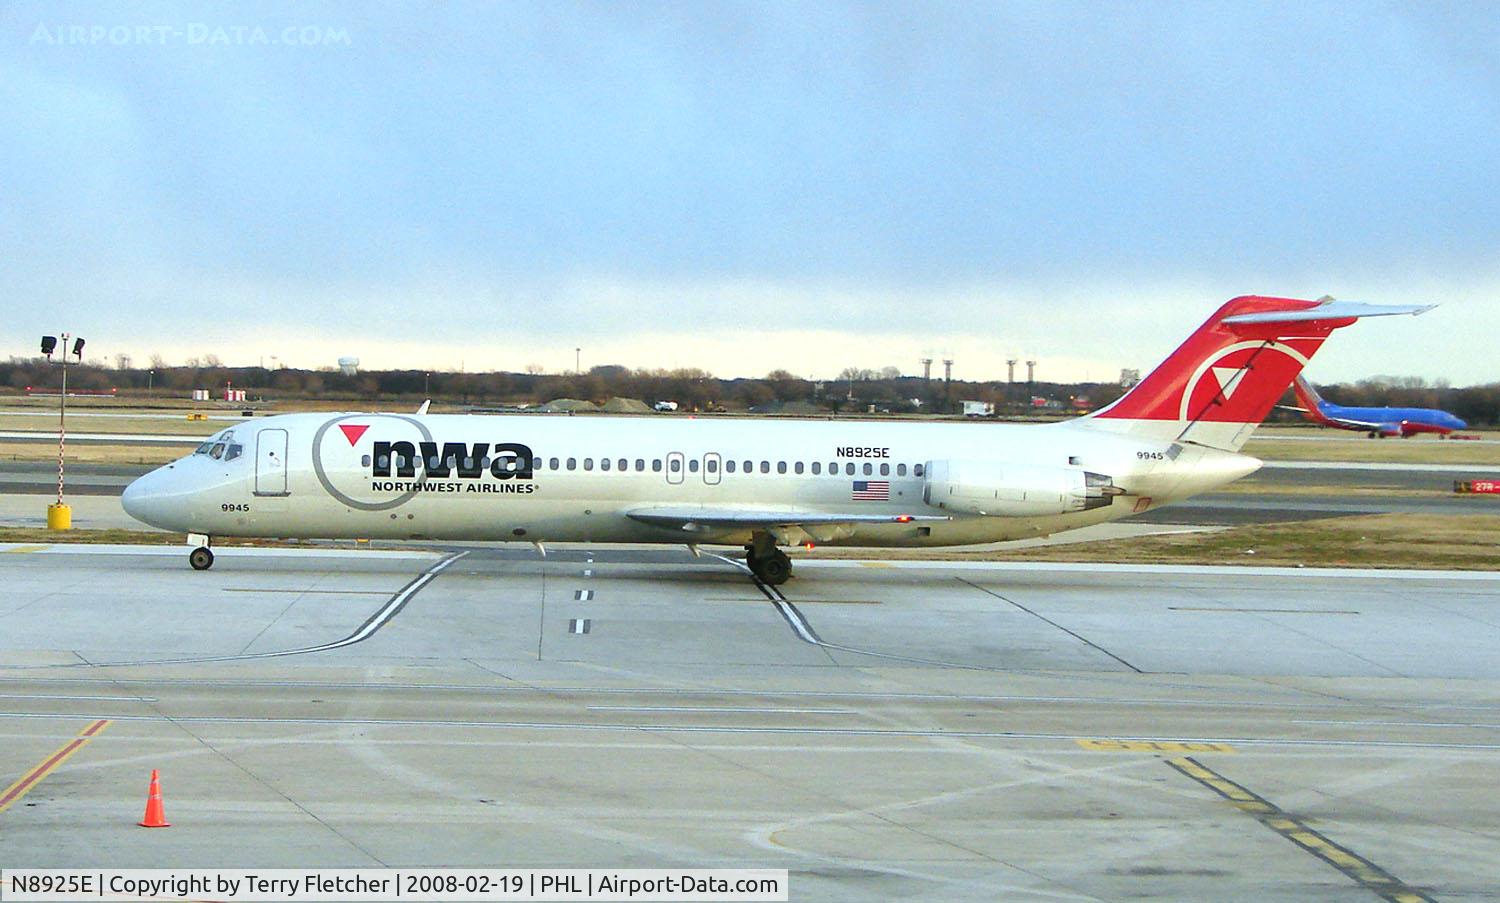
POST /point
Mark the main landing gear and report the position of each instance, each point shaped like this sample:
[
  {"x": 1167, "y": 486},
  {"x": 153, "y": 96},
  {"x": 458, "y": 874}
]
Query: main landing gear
[
  {"x": 767, "y": 562},
  {"x": 201, "y": 557}
]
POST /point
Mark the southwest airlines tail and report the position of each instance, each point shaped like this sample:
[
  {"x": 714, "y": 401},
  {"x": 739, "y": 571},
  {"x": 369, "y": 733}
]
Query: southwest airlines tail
[
  {"x": 1218, "y": 386},
  {"x": 1311, "y": 401}
]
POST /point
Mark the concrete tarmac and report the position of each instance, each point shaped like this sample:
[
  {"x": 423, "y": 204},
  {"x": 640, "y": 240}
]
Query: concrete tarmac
[{"x": 914, "y": 730}]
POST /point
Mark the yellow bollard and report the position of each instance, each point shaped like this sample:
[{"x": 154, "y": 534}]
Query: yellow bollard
[{"x": 59, "y": 517}]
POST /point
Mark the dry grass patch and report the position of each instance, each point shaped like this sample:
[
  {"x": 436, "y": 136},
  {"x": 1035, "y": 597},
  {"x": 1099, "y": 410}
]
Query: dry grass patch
[{"x": 92, "y": 453}]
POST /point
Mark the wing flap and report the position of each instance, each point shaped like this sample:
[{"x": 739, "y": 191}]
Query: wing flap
[{"x": 705, "y": 519}]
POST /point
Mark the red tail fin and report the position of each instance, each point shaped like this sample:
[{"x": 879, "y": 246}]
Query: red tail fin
[
  {"x": 1308, "y": 397},
  {"x": 1220, "y": 383}
]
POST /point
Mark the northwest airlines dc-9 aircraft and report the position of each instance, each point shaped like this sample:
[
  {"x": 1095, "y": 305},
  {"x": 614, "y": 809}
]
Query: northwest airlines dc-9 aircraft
[{"x": 758, "y": 483}]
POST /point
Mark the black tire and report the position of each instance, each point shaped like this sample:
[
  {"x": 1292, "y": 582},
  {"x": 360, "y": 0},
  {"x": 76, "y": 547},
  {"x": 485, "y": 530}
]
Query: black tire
[
  {"x": 774, "y": 569},
  {"x": 201, "y": 558}
]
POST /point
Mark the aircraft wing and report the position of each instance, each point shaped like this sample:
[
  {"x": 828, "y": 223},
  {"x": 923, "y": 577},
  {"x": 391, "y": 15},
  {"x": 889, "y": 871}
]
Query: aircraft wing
[
  {"x": 1362, "y": 424},
  {"x": 701, "y": 520}
]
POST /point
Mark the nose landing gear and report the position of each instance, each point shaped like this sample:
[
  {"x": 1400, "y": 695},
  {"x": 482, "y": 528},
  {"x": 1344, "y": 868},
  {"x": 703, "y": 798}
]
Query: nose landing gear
[{"x": 201, "y": 557}]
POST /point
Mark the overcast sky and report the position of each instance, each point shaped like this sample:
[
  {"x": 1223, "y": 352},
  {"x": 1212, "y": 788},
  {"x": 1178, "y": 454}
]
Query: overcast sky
[{"x": 742, "y": 187}]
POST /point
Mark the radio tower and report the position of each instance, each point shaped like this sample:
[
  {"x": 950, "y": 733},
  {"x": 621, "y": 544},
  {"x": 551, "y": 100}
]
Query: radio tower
[{"x": 926, "y": 369}]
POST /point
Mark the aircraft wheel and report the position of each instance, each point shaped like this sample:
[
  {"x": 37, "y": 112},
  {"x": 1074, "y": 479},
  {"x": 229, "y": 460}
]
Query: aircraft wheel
[
  {"x": 201, "y": 558},
  {"x": 774, "y": 569}
]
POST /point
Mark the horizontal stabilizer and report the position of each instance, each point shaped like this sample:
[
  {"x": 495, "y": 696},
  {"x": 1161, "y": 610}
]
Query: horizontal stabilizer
[{"x": 1329, "y": 310}]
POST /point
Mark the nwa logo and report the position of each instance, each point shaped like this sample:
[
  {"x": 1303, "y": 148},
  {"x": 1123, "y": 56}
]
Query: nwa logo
[
  {"x": 505, "y": 461},
  {"x": 379, "y": 462},
  {"x": 510, "y": 461}
]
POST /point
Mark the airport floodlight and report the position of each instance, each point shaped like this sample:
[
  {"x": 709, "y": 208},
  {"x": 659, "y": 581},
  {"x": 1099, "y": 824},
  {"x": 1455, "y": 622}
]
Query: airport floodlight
[
  {"x": 78, "y": 348},
  {"x": 49, "y": 344}
]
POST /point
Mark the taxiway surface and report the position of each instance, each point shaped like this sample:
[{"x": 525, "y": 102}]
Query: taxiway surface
[{"x": 921, "y": 730}]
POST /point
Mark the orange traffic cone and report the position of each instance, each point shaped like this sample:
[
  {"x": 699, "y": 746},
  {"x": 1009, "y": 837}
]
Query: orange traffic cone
[{"x": 155, "y": 817}]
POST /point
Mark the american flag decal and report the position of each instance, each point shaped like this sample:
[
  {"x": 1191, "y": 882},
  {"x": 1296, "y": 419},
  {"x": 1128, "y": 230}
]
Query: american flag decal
[{"x": 871, "y": 491}]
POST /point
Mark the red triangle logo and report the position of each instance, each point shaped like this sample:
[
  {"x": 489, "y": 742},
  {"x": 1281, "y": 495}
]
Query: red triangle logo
[{"x": 352, "y": 432}]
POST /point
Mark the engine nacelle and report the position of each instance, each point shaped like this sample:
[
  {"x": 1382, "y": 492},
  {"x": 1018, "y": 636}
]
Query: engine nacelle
[{"x": 997, "y": 489}]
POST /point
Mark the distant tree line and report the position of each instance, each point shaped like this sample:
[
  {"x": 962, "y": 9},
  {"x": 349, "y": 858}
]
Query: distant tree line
[{"x": 855, "y": 390}]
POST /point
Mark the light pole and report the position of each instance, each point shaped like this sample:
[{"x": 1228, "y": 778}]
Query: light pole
[
  {"x": 577, "y": 360},
  {"x": 60, "y": 516}
]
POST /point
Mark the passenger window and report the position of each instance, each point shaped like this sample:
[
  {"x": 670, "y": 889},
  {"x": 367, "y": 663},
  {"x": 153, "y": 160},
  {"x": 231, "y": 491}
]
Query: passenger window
[
  {"x": 833, "y": 468},
  {"x": 572, "y": 463},
  {"x": 693, "y": 465},
  {"x": 383, "y": 462},
  {"x": 217, "y": 451},
  {"x": 588, "y": 463},
  {"x": 603, "y": 464},
  {"x": 729, "y": 467},
  {"x": 674, "y": 465},
  {"x": 364, "y": 461},
  {"x": 900, "y": 470},
  {"x": 885, "y": 470},
  {"x": 849, "y": 468},
  {"x": 622, "y": 464},
  {"x": 640, "y": 464},
  {"x": 656, "y": 465},
  {"x": 817, "y": 468},
  {"x": 797, "y": 468},
  {"x": 536, "y": 464},
  {"x": 869, "y": 468},
  {"x": 551, "y": 463},
  {"x": 712, "y": 465},
  {"x": 781, "y": 467},
  {"x": 765, "y": 467},
  {"x": 916, "y": 470},
  {"x": 749, "y": 467}
]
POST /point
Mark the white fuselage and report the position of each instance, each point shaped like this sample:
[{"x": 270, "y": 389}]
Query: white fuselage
[{"x": 341, "y": 475}]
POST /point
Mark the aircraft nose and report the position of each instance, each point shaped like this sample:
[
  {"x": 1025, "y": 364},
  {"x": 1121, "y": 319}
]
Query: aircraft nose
[
  {"x": 142, "y": 499},
  {"x": 133, "y": 499}
]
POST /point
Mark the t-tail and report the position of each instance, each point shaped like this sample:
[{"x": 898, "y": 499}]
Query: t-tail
[{"x": 1218, "y": 386}]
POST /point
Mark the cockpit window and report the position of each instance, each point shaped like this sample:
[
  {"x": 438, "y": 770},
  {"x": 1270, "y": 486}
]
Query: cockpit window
[
  {"x": 204, "y": 448},
  {"x": 233, "y": 451},
  {"x": 217, "y": 451}
]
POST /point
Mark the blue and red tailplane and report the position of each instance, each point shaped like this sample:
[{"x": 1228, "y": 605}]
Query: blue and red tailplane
[{"x": 1218, "y": 386}]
